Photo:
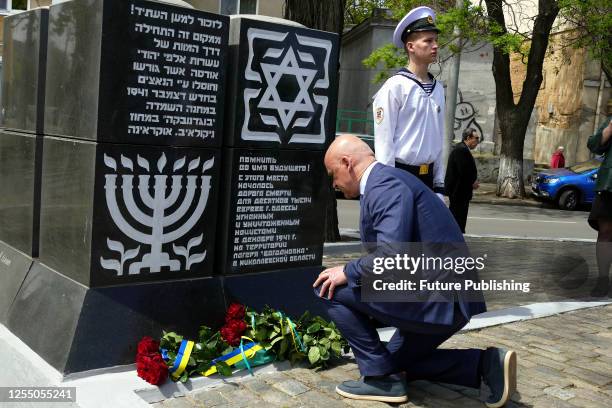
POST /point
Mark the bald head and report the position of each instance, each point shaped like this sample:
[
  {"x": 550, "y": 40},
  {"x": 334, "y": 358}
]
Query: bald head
[
  {"x": 349, "y": 145},
  {"x": 346, "y": 159}
]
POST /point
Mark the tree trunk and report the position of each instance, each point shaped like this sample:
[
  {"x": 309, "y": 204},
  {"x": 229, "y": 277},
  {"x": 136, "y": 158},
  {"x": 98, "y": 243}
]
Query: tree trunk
[
  {"x": 514, "y": 118},
  {"x": 326, "y": 15}
]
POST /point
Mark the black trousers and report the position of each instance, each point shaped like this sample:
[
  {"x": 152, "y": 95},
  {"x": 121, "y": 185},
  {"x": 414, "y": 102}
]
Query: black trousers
[{"x": 459, "y": 208}]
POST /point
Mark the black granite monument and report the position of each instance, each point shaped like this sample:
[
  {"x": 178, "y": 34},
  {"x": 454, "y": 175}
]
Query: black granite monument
[
  {"x": 130, "y": 179},
  {"x": 281, "y": 114}
]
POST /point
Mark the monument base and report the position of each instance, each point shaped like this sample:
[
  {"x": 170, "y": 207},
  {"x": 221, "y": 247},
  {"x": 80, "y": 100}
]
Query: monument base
[
  {"x": 289, "y": 290},
  {"x": 14, "y": 267},
  {"x": 76, "y": 328}
]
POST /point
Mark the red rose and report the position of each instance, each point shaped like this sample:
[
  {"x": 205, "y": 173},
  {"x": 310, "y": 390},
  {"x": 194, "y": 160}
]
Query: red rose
[
  {"x": 235, "y": 311},
  {"x": 232, "y": 331},
  {"x": 147, "y": 346},
  {"x": 152, "y": 368}
]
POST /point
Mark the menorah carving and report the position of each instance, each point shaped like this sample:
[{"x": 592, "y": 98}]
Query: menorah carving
[{"x": 159, "y": 222}]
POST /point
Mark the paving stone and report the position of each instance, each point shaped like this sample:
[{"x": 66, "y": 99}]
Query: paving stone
[
  {"x": 275, "y": 377},
  {"x": 328, "y": 387},
  {"x": 304, "y": 375},
  {"x": 338, "y": 374},
  {"x": 208, "y": 398},
  {"x": 317, "y": 399},
  {"x": 561, "y": 393},
  {"x": 588, "y": 394},
  {"x": 537, "y": 359},
  {"x": 550, "y": 402},
  {"x": 552, "y": 356},
  {"x": 256, "y": 385},
  {"x": 585, "y": 403},
  {"x": 589, "y": 376},
  {"x": 291, "y": 387},
  {"x": 276, "y": 397},
  {"x": 241, "y": 397},
  {"x": 596, "y": 366},
  {"x": 180, "y": 402},
  {"x": 548, "y": 375}
]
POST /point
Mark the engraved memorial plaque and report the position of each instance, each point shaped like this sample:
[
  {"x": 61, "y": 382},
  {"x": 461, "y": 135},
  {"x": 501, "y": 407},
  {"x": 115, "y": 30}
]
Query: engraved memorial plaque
[
  {"x": 136, "y": 72},
  {"x": 276, "y": 210}
]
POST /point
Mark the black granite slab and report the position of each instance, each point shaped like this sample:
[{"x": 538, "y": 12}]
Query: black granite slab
[
  {"x": 136, "y": 72},
  {"x": 287, "y": 290},
  {"x": 283, "y": 86},
  {"x": 273, "y": 212},
  {"x": 117, "y": 214},
  {"x": 14, "y": 266},
  {"x": 20, "y": 172},
  {"x": 24, "y": 55},
  {"x": 75, "y": 328}
]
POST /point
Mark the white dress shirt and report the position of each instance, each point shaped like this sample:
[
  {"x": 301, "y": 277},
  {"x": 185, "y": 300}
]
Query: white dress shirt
[{"x": 364, "y": 177}]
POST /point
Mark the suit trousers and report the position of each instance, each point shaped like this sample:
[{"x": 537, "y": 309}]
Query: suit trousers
[
  {"x": 459, "y": 208},
  {"x": 412, "y": 349}
]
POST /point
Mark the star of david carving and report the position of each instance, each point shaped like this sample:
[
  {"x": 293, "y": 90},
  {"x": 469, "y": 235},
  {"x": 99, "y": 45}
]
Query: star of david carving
[{"x": 271, "y": 99}]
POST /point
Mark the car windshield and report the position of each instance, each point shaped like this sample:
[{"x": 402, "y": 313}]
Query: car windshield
[{"x": 586, "y": 166}]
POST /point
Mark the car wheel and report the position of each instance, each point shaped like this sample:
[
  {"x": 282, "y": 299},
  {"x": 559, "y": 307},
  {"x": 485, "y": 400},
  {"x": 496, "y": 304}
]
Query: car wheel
[{"x": 568, "y": 200}]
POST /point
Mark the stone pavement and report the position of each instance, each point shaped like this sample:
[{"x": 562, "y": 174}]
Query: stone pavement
[{"x": 564, "y": 361}]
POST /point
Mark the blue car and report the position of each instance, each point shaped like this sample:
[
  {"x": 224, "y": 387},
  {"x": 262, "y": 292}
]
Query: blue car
[{"x": 568, "y": 187}]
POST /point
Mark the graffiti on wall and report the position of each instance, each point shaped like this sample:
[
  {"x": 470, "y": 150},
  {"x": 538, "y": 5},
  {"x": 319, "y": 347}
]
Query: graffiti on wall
[{"x": 465, "y": 117}]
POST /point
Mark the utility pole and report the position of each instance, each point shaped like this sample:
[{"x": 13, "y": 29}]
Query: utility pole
[{"x": 451, "y": 92}]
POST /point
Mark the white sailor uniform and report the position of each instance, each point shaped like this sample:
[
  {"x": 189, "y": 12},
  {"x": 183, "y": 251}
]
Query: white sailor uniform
[{"x": 409, "y": 124}]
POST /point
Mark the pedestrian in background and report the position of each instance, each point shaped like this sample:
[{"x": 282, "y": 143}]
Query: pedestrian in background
[
  {"x": 557, "y": 161},
  {"x": 409, "y": 107},
  {"x": 462, "y": 176},
  {"x": 600, "y": 217}
]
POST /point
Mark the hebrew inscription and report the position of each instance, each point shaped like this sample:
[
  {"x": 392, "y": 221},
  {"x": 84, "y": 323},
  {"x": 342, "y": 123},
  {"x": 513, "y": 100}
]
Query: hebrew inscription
[{"x": 176, "y": 72}]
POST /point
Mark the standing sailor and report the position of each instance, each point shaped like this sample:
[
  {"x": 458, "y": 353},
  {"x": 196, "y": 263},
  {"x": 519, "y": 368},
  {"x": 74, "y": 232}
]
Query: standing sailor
[{"x": 409, "y": 107}]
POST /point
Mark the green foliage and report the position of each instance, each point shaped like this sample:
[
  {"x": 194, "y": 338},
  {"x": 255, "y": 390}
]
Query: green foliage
[
  {"x": 472, "y": 22},
  {"x": 592, "y": 20}
]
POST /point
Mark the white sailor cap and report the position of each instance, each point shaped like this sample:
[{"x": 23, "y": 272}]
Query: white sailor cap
[{"x": 418, "y": 19}]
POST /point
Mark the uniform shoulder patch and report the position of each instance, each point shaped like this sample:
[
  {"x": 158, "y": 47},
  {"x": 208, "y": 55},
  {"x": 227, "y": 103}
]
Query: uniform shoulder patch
[{"x": 379, "y": 116}]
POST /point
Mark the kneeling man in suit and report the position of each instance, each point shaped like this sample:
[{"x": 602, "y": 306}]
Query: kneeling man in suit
[{"x": 396, "y": 207}]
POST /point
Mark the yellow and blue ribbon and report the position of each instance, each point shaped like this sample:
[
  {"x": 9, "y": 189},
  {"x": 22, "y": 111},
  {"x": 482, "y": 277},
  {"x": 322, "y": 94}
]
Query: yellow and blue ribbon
[
  {"x": 294, "y": 334},
  {"x": 182, "y": 358},
  {"x": 242, "y": 353}
]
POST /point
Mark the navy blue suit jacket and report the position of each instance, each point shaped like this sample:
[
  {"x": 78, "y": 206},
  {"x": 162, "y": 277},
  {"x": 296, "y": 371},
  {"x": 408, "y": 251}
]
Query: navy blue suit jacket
[{"x": 396, "y": 207}]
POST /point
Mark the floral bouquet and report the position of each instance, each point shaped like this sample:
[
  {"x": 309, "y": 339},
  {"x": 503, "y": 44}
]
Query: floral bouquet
[{"x": 247, "y": 338}]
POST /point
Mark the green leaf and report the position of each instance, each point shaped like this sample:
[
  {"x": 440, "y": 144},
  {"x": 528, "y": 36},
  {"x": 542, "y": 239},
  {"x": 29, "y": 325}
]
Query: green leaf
[
  {"x": 276, "y": 340},
  {"x": 223, "y": 368},
  {"x": 307, "y": 339},
  {"x": 283, "y": 348},
  {"x": 314, "y": 355},
  {"x": 313, "y": 328},
  {"x": 324, "y": 342},
  {"x": 336, "y": 347}
]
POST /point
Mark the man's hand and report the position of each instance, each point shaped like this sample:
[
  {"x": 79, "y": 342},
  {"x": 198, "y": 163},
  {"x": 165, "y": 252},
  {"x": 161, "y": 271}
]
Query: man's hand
[
  {"x": 329, "y": 279},
  {"x": 475, "y": 185}
]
